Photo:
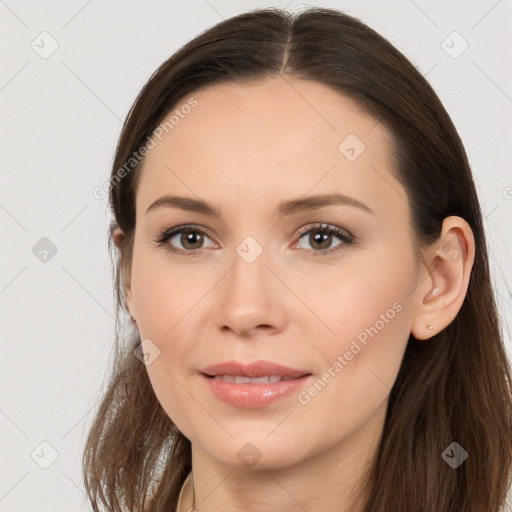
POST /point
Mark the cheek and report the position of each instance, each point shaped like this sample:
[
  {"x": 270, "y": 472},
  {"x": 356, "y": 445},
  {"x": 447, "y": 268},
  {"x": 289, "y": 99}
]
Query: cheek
[
  {"x": 164, "y": 299},
  {"x": 360, "y": 362},
  {"x": 167, "y": 300},
  {"x": 163, "y": 296},
  {"x": 371, "y": 319}
]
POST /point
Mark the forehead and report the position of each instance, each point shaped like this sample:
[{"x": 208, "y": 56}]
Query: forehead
[{"x": 277, "y": 137}]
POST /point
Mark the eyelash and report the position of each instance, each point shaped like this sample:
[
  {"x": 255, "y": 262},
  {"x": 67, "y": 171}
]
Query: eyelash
[{"x": 345, "y": 237}]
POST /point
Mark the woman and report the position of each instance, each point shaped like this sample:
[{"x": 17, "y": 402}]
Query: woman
[{"x": 302, "y": 254}]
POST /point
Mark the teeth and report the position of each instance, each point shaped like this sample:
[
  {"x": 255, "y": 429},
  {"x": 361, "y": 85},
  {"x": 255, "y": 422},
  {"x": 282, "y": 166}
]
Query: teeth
[{"x": 240, "y": 379}]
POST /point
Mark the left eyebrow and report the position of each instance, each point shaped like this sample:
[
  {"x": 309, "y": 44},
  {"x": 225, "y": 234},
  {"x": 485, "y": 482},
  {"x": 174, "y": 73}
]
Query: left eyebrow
[
  {"x": 285, "y": 208},
  {"x": 314, "y": 202}
]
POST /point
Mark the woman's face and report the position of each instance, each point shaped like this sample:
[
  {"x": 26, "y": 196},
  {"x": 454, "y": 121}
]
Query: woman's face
[{"x": 260, "y": 282}]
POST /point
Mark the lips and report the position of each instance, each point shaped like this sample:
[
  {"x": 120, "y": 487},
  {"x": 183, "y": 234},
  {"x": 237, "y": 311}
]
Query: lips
[
  {"x": 242, "y": 379},
  {"x": 254, "y": 370},
  {"x": 254, "y": 385}
]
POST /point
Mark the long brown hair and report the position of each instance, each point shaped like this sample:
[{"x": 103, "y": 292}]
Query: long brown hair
[{"x": 455, "y": 387}]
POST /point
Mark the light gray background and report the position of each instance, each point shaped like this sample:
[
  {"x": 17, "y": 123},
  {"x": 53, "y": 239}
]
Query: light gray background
[{"x": 60, "y": 118}]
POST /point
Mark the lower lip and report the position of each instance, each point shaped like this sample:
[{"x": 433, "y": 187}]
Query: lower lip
[{"x": 254, "y": 395}]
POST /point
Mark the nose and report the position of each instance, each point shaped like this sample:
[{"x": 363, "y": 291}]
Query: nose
[{"x": 250, "y": 299}]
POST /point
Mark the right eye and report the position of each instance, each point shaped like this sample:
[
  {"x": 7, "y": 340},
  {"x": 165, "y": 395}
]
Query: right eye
[{"x": 187, "y": 236}]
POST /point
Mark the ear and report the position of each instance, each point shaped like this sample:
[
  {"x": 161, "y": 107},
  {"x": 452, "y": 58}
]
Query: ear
[
  {"x": 119, "y": 237},
  {"x": 448, "y": 263}
]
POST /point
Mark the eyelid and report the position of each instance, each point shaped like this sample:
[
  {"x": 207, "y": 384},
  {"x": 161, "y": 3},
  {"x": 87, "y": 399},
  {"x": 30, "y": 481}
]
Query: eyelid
[{"x": 324, "y": 226}]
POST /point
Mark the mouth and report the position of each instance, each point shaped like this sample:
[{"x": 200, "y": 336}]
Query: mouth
[
  {"x": 253, "y": 385},
  {"x": 258, "y": 369},
  {"x": 243, "y": 379},
  {"x": 257, "y": 393}
]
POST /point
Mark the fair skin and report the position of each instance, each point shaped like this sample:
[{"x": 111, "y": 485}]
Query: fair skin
[{"x": 244, "y": 149}]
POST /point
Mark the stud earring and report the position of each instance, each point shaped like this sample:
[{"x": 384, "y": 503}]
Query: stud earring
[{"x": 429, "y": 327}]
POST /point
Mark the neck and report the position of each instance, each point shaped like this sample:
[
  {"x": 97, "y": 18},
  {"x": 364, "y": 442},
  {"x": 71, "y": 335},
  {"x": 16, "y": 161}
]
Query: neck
[{"x": 329, "y": 481}]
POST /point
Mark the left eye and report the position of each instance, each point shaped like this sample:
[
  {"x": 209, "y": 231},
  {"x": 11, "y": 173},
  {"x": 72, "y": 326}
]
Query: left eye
[{"x": 320, "y": 239}]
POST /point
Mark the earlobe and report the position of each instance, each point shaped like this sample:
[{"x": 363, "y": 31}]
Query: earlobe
[{"x": 442, "y": 292}]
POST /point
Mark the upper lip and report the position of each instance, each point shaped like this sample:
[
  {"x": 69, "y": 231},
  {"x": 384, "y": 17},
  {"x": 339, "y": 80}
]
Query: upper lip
[{"x": 255, "y": 369}]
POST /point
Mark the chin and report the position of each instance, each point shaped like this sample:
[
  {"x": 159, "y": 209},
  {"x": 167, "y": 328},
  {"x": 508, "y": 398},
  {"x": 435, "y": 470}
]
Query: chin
[{"x": 253, "y": 454}]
